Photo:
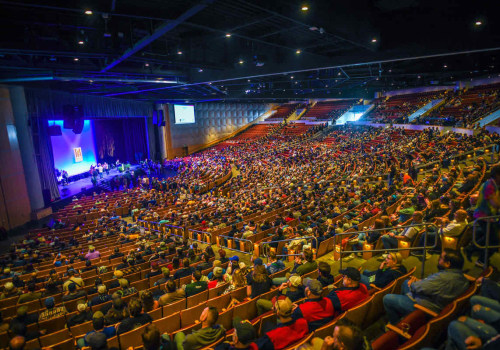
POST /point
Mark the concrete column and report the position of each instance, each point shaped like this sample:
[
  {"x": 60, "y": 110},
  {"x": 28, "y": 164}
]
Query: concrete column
[
  {"x": 26, "y": 147},
  {"x": 15, "y": 207}
]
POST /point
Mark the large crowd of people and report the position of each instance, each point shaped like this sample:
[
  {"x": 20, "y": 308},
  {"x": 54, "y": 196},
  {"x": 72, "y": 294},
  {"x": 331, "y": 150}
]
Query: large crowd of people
[{"x": 104, "y": 275}]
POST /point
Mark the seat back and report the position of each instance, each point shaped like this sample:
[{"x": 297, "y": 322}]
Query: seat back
[
  {"x": 300, "y": 342},
  {"x": 357, "y": 314},
  {"x": 131, "y": 338},
  {"x": 169, "y": 324},
  {"x": 197, "y": 299},
  {"x": 387, "y": 341},
  {"x": 377, "y": 305},
  {"x": 68, "y": 344},
  {"x": 55, "y": 337},
  {"x": 327, "y": 329},
  {"x": 400, "y": 280},
  {"x": 174, "y": 307},
  {"x": 246, "y": 310},
  {"x": 220, "y": 302},
  {"x": 189, "y": 316}
]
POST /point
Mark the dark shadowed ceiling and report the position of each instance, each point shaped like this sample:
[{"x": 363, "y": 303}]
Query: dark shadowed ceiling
[{"x": 187, "y": 50}]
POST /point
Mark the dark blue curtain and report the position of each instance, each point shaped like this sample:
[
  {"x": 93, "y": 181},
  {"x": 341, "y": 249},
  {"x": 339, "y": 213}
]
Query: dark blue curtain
[
  {"x": 45, "y": 157},
  {"x": 123, "y": 139}
]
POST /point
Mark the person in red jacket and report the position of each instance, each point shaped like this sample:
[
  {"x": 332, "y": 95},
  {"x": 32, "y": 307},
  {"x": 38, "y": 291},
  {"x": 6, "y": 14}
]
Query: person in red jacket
[
  {"x": 288, "y": 330},
  {"x": 318, "y": 310}
]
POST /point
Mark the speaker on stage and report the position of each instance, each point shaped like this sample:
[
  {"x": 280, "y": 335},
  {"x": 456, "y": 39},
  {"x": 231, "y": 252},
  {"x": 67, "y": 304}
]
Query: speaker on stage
[
  {"x": 69, "y": 123},
  {"x": 55, "y": 130},
  {"x": 71, "y": 114},
  {"x": 78, "y": 127}
]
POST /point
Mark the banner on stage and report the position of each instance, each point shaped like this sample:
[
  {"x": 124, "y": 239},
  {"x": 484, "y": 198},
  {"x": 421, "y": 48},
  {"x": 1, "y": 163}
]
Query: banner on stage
[{"x": 78, "y": 154}]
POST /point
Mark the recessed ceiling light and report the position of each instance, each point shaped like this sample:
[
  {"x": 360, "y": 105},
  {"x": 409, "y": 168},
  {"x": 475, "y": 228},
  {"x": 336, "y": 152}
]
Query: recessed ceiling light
[
  {"x": 81, "y": 42},
  {"x": 179, "y": 52},
  {"x": 248, "y": 80},
  {"x": 305, "y": 8},
  {"x": 445, "y": 66},
  {"x": 298, "y": 52},
  {"x": 228, "y": 35},
  {"x": 147, "y": 64},
  {"x": 478, "y": 23},
  {"x": 374, "y": 40},
  {"x": 241, "y": 62},
  {"x": 291, "y": 77},
  {"x": 76, "y": 59},
  {"x": 200, "y": 70},
  {"x": 88, "y": 12}
]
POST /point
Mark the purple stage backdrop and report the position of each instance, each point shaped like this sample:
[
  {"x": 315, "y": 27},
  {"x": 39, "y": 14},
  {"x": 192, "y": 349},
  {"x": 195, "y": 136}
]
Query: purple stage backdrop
[{"x": 73, "y": 152}]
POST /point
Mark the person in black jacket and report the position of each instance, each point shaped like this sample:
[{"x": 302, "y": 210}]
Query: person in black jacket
[{"x": 389, "y": 270}]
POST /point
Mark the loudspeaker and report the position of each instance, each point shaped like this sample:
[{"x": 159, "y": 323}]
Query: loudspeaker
[
  {"x": 69, "y": 123},
  {"x": 71, "y": 113},
  {"x": 55, "y": 130},
  {"x": 78, "y": 126}
]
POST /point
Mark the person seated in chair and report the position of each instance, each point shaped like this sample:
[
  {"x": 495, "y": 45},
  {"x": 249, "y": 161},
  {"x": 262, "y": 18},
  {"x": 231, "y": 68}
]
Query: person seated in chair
[
  {"x": 209, "y": 333},
  {"x": 434, "y": 292}
]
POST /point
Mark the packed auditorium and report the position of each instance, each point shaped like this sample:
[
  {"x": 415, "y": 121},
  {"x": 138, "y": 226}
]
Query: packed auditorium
[{"x": 249, "y": 174}]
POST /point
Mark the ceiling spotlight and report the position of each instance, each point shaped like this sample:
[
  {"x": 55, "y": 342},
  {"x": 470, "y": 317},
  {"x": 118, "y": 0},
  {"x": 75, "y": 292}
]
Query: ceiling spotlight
[
  {"x": 419, "y": 77},
  {"x": 88, "y": 12},
  {"x": 248, "y": 80},
  {"x": 76, "y": 59},
  {"x": 478, "y": 23},
  {"x": 81, "y": 42},
  {"x": 291, "y": 77},
  {"x": 241, "y": 61},
  {"x": 445, "y": 66},
  {"x": 228, "y": 35},
  {"x": 374, "y": 40},
  {"x": 179, "y": 52},
  {"x": 305, "y": 8},
  {"x": 52, "y": 58},
  {"x": 200, "y": 70},
  {"x": 146, "y": 65},
  {"x": 298, "y": 52}
]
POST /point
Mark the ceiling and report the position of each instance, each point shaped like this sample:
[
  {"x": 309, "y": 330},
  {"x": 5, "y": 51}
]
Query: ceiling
[{"x": 187, "y": 50}]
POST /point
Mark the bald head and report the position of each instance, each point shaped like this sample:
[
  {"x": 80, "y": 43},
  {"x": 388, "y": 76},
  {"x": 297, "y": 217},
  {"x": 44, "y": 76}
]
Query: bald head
[{"x": 17, "y": 343}]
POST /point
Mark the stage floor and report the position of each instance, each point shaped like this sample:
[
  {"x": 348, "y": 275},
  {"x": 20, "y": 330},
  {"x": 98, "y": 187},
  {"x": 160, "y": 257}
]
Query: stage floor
[{"x": 75, "y": 188}]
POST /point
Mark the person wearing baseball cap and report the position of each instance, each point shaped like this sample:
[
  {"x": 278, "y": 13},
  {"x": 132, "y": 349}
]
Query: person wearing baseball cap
[
  {"x": 292, "y": 289},
  {"x": 243, "y": 337},
  {"x": 288, "y": 331},
  {"x": 318, "y": 310}
]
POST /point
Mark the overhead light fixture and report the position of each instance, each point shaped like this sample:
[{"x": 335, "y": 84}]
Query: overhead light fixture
[
  {"x": 305, "y": 8},
  {"x": 179, "y": 52},
  {"x": 248, "y": 80},
  {"x": 445, "y": 66},
  {"x": 88, "y": 12},
  {"x": 291, "y": 77},
  {"x": 298, "y": 52},
  {"x": 228, "y": 35},
  {"x": 374, "y": 40},
  {"x": 200, "y": 70},
  {"x": 241, "y": 61},
  {"x": 146, "y": 65},
  {"x": 76, "y": 59},
  {"x": 478, "y": 23},
  {"x": 81, "y": 42}
]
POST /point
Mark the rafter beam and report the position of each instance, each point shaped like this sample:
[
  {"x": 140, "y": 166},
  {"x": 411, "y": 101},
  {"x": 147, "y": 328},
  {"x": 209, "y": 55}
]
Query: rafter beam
[{"x": 159, "y": 32}]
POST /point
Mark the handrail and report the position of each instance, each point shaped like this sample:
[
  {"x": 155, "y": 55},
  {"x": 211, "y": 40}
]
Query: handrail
[
  {"x": 250, "y": 244},
  {"x": 203, "y": 233},
  {"x": 424, "y": 248},
  {"x": 262, "y": 244},
  {"x": 487, "y": 246}
]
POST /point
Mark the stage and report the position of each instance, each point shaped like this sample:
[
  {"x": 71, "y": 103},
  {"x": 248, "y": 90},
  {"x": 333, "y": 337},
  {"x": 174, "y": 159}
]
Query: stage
[{"x": 76, "y": 187}]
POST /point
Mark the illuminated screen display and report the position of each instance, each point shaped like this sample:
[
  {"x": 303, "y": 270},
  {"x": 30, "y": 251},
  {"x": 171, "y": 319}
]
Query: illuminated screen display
[
  {"x": 74, "y": 152},
  {"x": 184, "y": 114}
]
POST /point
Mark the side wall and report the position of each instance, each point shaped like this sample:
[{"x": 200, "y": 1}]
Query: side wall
[{"x": 213, "y": 121}]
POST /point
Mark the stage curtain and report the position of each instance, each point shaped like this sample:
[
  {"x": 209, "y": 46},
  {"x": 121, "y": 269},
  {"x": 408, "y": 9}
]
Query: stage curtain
[
  {"x": 48, "y": 104},
  {"x": 123, "y": 139},
  {"x": 45, "y": 157}
]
